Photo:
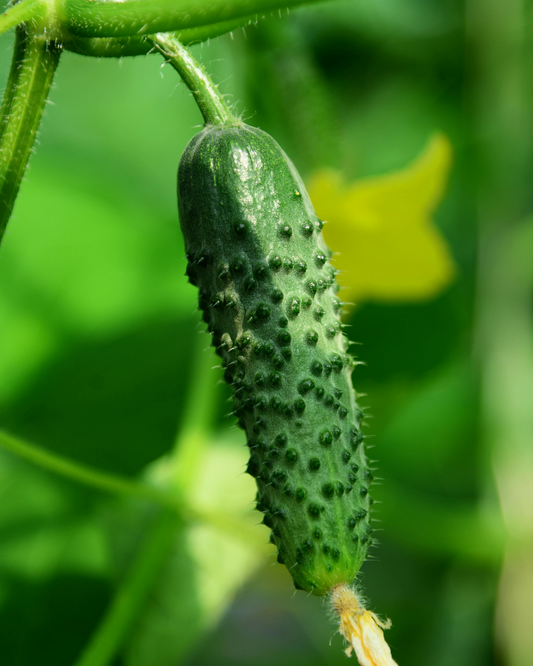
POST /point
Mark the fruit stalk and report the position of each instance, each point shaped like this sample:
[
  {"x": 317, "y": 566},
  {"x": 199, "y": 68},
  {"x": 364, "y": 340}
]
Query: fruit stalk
[{"x": 207, "y": 96}]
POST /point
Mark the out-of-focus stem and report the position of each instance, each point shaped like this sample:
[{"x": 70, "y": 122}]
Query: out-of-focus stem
[
  {"x": 510, "y": 392},
  {"x": 188, "y": 452},
  {"x": 132, "y": 595},
  {"x": 504, "y": 328},
  {"x": 187, "y": 456},
  {"x": 81, "y": 473}
]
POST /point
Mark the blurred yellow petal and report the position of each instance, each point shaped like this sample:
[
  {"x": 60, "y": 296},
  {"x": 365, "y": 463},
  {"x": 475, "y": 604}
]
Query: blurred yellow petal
[{"x": 388, "y": 248}]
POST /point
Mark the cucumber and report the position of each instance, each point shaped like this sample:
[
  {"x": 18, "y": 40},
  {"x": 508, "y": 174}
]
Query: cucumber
[{"x": 268, "y": 295}]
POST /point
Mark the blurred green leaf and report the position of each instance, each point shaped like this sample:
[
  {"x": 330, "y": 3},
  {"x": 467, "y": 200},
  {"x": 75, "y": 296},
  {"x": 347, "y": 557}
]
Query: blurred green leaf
[
  {"x": 42, "y": 523},
  {"x": 44, "y": 532},
  {"x": 206, "y": 565},
  {"x": 437, "y": 418},
  {"x": 93, "y": 280},
  {"x": 54, "y": 553},
  {"x": 112, "y": 403},
  {"x": 405, "y": 343}
]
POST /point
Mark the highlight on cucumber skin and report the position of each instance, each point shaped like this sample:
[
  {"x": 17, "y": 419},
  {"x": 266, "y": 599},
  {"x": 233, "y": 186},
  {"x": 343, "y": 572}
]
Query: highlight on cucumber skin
[{"x": 316, "y": 409}]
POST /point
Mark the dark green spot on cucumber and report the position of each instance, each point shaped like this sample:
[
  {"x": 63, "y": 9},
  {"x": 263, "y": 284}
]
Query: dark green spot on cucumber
[
  {"x": 314, "y": 464},
  {"x": 291, "y": 455},
  {"x": 301, "y": 494}
]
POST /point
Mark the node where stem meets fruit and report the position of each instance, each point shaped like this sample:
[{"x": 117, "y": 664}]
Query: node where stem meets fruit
[{"x": 361, "y": 628}]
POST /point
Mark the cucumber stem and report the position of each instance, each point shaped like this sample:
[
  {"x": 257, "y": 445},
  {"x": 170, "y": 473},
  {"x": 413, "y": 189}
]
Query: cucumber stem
[
  {"x": 130, "y": 18},
  {"x": 21, "y": 12},
  {"x": 206, "y": 94},
  {"x": 120, "y": 47},
  {"x": 35, "y": 60}
]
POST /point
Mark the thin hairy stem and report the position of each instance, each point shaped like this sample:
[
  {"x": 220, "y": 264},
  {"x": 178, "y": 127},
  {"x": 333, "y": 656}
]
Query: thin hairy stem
[
  {"x": 26, "y": 10},
  {"x": 210, "y": 102},
  {"x": 32, "y": 70}
]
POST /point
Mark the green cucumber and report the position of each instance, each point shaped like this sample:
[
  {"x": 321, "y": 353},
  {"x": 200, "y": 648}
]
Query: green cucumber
[{"x": 268, "y": 295}]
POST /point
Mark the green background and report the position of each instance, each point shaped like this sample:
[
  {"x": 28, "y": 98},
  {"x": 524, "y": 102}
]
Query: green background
[{"x": 98, "y": 326}]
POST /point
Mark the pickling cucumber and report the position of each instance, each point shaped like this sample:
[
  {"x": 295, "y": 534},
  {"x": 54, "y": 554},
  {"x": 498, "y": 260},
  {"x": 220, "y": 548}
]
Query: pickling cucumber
[{"x": 268, "y": 295}]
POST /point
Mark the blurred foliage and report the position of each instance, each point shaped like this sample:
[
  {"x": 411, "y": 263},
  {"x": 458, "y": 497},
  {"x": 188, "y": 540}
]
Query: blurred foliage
[{"x": 99, "y": 329}]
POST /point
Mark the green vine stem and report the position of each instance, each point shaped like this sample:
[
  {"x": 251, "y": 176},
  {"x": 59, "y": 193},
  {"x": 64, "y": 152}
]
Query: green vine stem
[
  {"x": 133, "y": 593},
  {"x": 130, "y": 18},
  {"x": 32, "y": 70},
  {"x": 210, "y": 102},
  {"x": 18, "y": 13},
  {"x": 118, "y": 485},
  {"x": 120, "y": 47},
  {"x": 80, "y": 473}
]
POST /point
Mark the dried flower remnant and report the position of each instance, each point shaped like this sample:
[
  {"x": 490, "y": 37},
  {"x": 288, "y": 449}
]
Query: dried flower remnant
[{"x": 361, "y": 628}]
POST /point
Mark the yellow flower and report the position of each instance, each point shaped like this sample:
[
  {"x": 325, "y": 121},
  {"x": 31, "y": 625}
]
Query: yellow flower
[{"x": 388, "y": 248}]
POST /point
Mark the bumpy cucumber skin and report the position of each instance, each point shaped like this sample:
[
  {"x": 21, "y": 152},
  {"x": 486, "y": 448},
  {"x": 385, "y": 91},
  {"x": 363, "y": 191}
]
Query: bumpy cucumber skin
[{"x": 267, "y": 292}]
